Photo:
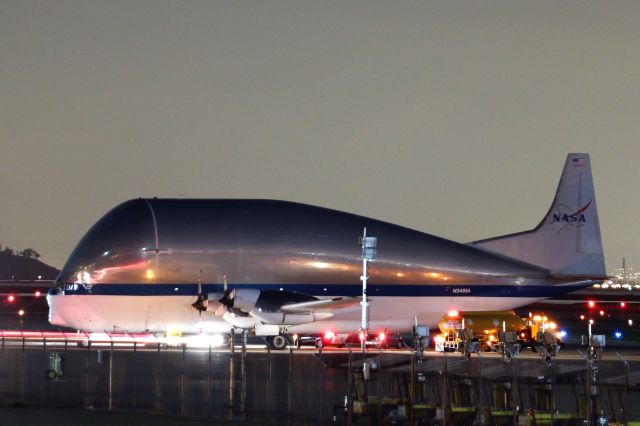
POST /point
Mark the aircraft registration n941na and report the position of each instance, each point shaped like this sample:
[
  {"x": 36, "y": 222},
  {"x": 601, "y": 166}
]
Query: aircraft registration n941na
[{"x": 272, "y": 267}]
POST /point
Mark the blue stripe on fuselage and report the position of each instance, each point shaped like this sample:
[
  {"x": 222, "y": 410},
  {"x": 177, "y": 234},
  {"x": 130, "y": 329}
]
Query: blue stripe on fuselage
[{"x": 327, "y": 290}]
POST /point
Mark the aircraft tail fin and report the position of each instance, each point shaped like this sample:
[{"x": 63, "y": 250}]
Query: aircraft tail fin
[{"x": 567, "y": 241}]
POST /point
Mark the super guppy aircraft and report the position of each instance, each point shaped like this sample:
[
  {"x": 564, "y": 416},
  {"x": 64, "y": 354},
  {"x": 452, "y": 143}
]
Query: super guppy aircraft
[{"x": 196, "y": 265}]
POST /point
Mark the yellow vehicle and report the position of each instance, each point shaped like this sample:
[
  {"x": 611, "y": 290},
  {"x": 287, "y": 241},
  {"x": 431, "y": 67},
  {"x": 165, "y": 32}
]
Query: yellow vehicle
[{"x": 486, "y": 325}]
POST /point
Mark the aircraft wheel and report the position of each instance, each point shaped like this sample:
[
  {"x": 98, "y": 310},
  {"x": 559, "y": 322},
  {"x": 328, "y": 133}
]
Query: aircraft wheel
[
  {"x": 278, "y": 342},
  {"x": 51, "y": 374},
  {"x": 226, "y": 340}
]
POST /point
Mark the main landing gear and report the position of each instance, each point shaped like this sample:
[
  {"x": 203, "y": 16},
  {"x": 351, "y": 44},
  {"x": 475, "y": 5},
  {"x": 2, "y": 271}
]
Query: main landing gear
[{"x": 278, "y": 342}]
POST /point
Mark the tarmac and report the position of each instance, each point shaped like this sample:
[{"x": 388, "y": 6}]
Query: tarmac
[{"x": 38, "y": 416}]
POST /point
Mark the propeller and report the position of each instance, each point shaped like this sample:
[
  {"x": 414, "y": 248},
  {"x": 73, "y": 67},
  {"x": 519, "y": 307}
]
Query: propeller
[
  {"x": 202, "y": 302},
  {"x": 227, "y": 299}
]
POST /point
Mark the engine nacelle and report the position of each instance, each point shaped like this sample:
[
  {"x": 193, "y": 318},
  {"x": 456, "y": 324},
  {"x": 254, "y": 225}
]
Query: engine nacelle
[
  {"x": 237, "y": 300},
  {"x": 249, "y": 308},
  {"x": 239, "y": 321}
]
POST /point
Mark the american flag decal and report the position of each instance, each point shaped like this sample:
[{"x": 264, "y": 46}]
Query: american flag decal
[{"x": 579, "y": 161}]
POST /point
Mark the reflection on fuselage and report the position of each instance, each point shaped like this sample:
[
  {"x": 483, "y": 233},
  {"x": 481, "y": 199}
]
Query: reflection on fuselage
[{"x": 164, "y": 247}]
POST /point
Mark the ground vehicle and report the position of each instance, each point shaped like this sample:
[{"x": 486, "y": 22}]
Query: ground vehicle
[
  {"x": 308, "y": 341},
  {"x": 486, "y": 327},
  {"x": 380, "y": 340}
]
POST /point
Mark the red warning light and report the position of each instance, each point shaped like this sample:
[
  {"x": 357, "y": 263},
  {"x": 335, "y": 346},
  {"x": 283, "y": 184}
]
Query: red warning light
[
  {"x": 11, "y": 298},
  {"x": 361, "y": 335},
  {"x": 329, "y": 335},
  {"x": 592, "y": 303},
  {"x": 582, "y": 317},
  {"x": 381, "y": 336},
  {"x": 37, "y": 293},
  {"x": 601, "y": 313},
  {"x": 622, "y": 304}
]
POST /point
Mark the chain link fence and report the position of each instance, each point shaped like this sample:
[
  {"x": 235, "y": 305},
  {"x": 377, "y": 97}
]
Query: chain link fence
[{"x": 302, "y": 386}]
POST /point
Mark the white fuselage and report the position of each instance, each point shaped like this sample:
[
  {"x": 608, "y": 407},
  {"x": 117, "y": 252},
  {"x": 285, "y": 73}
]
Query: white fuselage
[{"x": 161, "y": 314}]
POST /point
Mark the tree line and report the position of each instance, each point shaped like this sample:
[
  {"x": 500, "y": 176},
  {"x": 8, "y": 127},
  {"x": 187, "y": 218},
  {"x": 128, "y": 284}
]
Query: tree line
[{"x": 28, "y": 252}]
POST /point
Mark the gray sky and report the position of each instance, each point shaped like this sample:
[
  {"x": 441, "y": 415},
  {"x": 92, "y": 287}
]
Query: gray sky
[{"x": 453, "y": 118}]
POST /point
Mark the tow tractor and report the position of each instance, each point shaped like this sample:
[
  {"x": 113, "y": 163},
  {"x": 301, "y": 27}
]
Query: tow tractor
[{"x": 472, "y": 331}]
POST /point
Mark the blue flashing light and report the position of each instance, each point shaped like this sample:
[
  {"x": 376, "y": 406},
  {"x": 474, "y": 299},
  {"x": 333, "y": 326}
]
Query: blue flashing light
[
  {"x": 618, "y": 334},
  {"x": 563, "y": 333}
]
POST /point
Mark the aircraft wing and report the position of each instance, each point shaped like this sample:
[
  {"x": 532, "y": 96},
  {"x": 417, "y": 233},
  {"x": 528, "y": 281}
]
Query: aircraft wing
[{"x": 322, "y": 305}]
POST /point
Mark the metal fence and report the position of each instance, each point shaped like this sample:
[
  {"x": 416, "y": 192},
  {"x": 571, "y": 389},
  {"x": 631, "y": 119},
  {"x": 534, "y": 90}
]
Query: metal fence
[{"x": 306, "y": 387}]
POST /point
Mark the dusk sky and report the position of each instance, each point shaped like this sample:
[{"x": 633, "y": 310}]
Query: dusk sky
[{"x": 452, "y": 117}]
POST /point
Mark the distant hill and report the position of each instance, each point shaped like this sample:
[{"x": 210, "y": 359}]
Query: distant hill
[{"x": 13, "y": 267}]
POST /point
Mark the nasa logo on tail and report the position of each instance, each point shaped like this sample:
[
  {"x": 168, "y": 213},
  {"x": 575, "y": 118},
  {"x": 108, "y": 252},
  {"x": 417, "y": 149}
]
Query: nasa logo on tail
[{"x": 567, "y": 216}]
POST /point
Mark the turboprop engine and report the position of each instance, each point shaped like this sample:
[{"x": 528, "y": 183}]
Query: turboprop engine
[{"x": 267, "y": 311}]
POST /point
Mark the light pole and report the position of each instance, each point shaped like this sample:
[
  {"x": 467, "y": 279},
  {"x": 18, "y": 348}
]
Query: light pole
[{"x": 369, "y": 249}]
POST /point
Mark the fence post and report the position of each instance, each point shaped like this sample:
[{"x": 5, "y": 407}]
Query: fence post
[
  {"x": 184, "y": 354},
  {"x": 479, "y": 388},
  {"x": 412, "y": 386},
  {"x": 2, "y": 372},
  {"x": 268, "y": 384},
  {"x": 349, "y": 400},
  {"x": 86, "y": 375},
  {"x": 209, "y": 385},
  {"x": 135, "y": 380},
  {"x": 444, "y": 389},
  {"x": 379, "y": 386},
  {"x": 514, "y": 390},
  {"x": 22, "y": 367},
  {"x": 243, "y": 374},
  {"x": 289, "y": 396},
  {"x": 110, "y": 403},
  {"x": 42, "y": 374},
  {"x": 553, "y": 392},
  {"x": 232, "y": 374},
  {"x": 158, "y": 379},
  {"x": 64, "y": 368}
]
